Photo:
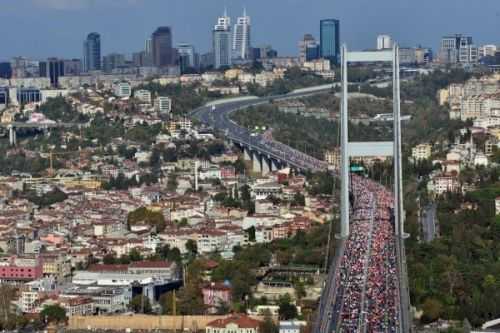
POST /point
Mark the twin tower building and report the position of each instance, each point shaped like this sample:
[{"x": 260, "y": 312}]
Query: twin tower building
[{"x": 231, "y": 45}]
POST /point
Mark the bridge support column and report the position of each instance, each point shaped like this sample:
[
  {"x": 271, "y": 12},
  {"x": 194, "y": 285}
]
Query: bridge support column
[
  {"x": 274, "y": 165},
  {"x": 12, "y": 136},
  {"x": 266, "y": 165},
  {"x": 247, "y": 154},
  {"x": 256, "y": 162}
]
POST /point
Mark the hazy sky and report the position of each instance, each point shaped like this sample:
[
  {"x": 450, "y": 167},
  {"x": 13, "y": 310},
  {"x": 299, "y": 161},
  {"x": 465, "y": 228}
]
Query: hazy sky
[{"x": 42, "y": 28}]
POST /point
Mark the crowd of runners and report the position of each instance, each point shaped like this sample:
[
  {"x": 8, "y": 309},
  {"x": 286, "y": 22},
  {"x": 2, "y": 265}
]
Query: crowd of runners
[{"x": 366, "y": 288}]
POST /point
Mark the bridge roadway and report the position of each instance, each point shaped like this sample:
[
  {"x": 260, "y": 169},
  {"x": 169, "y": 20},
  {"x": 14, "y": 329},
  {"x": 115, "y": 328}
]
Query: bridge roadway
[{"x": 366, "y": 288}]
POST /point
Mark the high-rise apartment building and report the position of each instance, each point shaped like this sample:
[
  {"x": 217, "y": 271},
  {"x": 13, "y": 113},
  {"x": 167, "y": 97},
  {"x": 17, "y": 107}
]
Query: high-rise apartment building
[
  {"x": 222, "y": 42},
  {"x": 92, "y": 52},
  {"x": 330, "y": 40},
  {"x": 162, "y": 50},
  {"x": 307, "y": 45},
  {"x": 187, "y": 56},
  {"x": 113, "y": 61},
  {"x": 458, "y": 49},
  {"x": 241, "y": 37},
  {"x": 53, "y": 68},
  {"x": 384, "y": 42}
]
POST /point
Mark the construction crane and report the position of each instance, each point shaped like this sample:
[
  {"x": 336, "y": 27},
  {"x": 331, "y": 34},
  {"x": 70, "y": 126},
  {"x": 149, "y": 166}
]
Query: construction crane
[{"x": 51, "y": 159}]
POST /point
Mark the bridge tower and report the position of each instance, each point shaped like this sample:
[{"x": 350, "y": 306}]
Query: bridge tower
[{"x": 382, "y": 148}]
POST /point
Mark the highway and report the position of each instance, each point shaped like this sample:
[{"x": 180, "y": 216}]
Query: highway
[
  {"x": 366, "y": 287},
  {"x": 218, "y": 119}
]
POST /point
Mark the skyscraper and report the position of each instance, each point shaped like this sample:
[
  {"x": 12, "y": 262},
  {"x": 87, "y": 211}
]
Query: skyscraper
[
  {"x": 92, "y": 52},
  {"x": 222, "y": 42},
  {"x": 187, "y": 56},
  {"x": 163, "y": 53},
  {"x": 330, "y": 40},
  {"x": 241, "y": 37},
  {"x": 308, "y": 42},
  {"x": 53, "y": 68}
]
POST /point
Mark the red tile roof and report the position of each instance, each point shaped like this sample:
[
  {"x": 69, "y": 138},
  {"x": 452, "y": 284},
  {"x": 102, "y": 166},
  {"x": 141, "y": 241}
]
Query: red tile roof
[
  {"x": 242, "y": 321},
  {"x": 151, "y": 264}
]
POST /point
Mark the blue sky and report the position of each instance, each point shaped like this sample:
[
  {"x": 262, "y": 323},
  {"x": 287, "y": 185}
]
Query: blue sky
[{"x": 42, "y": 28}]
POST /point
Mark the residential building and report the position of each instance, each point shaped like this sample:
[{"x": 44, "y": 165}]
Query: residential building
[
  {"x": 497, "y": 205},
  {"x": 122, "y": 89},
  {"x": 443, "y": 183},
  {"x": 330, "y": 40},
  {"x": 162, "y": 51},
  {"x": 384, "y": 42},
  {"x": 163, "y": 104},
  {"x": 92, "y": 53},
  {"x": 241, "y": 37},
  {"x": 77, "y": 306},
  {"x": 143, "y": 95},
  {"x": 216, "y": 295},
  {"x": 234, "y": 324},
  {"x": 421, "y": 152},
  {"x": 222, "y": 42}
]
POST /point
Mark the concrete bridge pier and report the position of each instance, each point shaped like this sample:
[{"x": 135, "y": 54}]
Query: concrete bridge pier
[
  {"x": 247, "y": 154},
  {"x": 12, "y": 136},
  {"x": 266, "y": 165},
  {"x": 274, "y": 165},
  {"x": 256, "y": 162}
]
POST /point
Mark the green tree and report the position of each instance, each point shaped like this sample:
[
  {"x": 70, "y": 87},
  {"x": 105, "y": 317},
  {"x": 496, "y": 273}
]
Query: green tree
[
  {"x": 53, "y": 313},
  {"x": 286, "y": 310},
  {"x": 192, "y": 247},
  {"x": 140, "y": 304},
  {"x": 268, "y": 325}
]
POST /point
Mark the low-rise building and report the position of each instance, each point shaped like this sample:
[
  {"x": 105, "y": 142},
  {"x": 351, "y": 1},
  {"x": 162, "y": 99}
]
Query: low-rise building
[
  {"x": 421, "y": 152},
  {"x": 216, "y": 295},
  {"x": 234, "y": 324}
]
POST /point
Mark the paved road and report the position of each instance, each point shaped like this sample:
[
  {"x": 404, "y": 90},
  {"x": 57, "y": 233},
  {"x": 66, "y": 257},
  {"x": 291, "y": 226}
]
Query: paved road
[
  {"x": 344, "y": 286},
  {"x": 428, "y": 220},
  {"x": 218, "y": 118}
]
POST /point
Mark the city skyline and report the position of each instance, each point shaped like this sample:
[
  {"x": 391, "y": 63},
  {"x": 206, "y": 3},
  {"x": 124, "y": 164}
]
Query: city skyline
[{"x": 68, "y": 22}]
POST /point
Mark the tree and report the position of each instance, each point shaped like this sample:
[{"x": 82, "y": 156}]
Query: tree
[
  {"x": 300, "y": 290},
  {"x": 172, "y": 182},
  {"x": 287, "y": 310},
  {"x": 268, "y": 325},
  {"x": 53, "y": 313},
  {"x": 135, "y": 255},
  {"x": 192, "y": 247},
  {"x": 109, "y": 259},
  {"x": 145, "y": 216},
  {"x": 433, "y": 309},
  {"x": 140, "y": 304},
  {"x": 167, "y": 303}
]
